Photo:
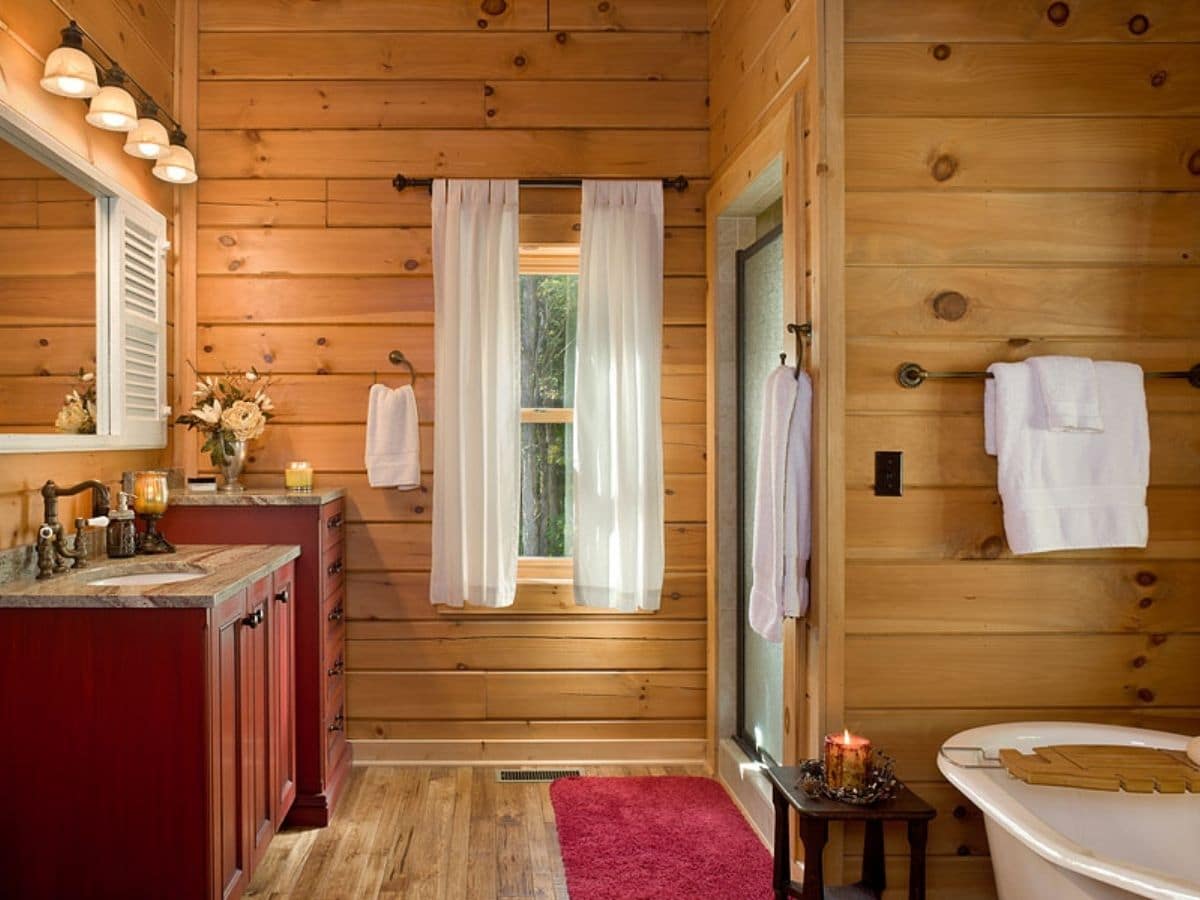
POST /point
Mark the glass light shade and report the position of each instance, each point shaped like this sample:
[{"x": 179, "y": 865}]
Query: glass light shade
[
  {"x": 176, "y": 165},
  {"x": 113, "y": 109},
  {"x": 148, "y": 140},
  {"x": 150, "y": 493},
  {"x": 69, "y": 72}
]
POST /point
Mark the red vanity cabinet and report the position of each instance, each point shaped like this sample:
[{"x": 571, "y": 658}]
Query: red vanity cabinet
[
  {"x": 315, "y": 522},
  {"x": 154, "y": 745}
]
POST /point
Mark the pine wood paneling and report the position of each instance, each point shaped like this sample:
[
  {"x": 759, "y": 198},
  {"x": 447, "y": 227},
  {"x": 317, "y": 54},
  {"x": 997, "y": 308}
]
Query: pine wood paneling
[
  {"x": 454, "y": 57},
  {"x": 1041, "y": 172},
  {"x": 311, "y": 265},
  {"x": 984, "y": 21},
  {"x": 369, "y": 15},
  {"x": 465, "y": 154}
]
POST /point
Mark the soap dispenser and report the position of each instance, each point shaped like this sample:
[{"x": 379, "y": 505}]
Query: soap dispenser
[{"x": 122, "y": 532}]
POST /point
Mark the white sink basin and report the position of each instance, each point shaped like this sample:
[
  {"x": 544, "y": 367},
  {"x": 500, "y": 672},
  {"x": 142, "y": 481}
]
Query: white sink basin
[{"x": 146, "y": 579}]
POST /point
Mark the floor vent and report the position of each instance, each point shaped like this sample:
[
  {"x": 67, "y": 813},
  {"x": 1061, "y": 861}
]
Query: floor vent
[{"x": 535, "y": 774}]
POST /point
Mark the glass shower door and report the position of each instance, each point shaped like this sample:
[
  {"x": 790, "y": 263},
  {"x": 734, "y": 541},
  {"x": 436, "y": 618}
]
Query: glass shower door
[{"x": 761, "y": 338}]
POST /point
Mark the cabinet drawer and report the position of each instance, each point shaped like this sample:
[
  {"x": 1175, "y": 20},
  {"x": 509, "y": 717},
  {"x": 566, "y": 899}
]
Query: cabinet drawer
[
  {"x": 333, "y": 569},
  {"x": 333, "y": 523}
]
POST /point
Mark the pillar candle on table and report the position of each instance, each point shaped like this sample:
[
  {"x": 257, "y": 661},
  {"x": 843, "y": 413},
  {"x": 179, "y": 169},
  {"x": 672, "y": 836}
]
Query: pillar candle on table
[{"x": 847, "y": 761}]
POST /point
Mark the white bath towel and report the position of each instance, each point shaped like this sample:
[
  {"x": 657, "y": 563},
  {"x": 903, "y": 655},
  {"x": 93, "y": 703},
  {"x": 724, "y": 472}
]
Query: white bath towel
[
  {"x": 1070, "y": 392},
  {"x": 1070, "y": 490},
  {"x": 393, "y": 438},
  {"x": 782, "y": 504}
]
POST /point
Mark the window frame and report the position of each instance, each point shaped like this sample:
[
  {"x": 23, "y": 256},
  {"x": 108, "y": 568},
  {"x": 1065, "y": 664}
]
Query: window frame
[{"x": 547, "y": 259}]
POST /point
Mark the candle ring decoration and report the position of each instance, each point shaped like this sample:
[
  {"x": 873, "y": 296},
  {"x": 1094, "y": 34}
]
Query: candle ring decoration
[
  {"x": 880, "y": 783},
  {"x": 150, "y": 495}
]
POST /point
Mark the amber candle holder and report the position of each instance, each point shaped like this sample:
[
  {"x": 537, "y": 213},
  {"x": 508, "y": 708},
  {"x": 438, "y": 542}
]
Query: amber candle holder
[
  {"x": 150, "y": 496},
  {"x": 298, "y": 477},
  {"x": 847, "y": 761}
]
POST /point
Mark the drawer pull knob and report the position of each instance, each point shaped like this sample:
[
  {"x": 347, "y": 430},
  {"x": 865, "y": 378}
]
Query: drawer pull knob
[
  {"x": 334, "y": 522},
  {"x": 336, "y": 615},
  {"x": 337, "y": 668},
  {"x": 254, "y": 619},
  {"x": 284, "y": 596},
  {"x": 337, "y": 723},
  {"x": 334, "y": 567}
]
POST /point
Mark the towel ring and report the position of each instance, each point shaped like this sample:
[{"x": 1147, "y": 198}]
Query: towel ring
[
  {"x": 396, "y": 358},
  {"x": 802, "y": 331}
]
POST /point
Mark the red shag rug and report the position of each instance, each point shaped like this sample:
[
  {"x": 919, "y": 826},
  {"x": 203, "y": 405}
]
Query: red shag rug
[{"x": 658, "y": 838}]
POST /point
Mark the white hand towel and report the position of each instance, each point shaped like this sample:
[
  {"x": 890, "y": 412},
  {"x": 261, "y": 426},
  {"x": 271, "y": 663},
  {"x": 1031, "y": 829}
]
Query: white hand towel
[
  {"x": 782, "y": 516},
  {"x": 393, "y": 438},
  {"x": 1070, "y": 490},
  {"x": 1070, "y": 391}
]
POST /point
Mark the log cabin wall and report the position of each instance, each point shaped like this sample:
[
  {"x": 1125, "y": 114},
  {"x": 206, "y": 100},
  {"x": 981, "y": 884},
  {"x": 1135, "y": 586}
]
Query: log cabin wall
[
  {"x": 312, "y": 266},
  {"x": 1021, "y": 179},
  {"x": 142, "y": 37}
]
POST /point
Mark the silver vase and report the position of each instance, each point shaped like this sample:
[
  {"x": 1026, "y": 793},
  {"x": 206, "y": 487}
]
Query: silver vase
[{"x": 232, "y": 467}]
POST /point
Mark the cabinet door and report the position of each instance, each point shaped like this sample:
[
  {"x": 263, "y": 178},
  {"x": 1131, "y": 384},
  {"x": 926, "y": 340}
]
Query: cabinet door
[
  {"x": 256, "y": 645},
  {"x": 228, "y": 673},
  {"x": 283, "y": 694}
]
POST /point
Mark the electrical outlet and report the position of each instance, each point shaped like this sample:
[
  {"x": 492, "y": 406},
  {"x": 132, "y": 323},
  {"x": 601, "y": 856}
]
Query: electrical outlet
[{"x": 889, "y": 473}]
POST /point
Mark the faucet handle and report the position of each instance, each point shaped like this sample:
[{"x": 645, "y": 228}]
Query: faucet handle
[{"x": 81, "y": 554}]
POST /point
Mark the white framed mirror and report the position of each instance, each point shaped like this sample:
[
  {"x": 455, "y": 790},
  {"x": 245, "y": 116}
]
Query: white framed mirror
[{"x": 83, "y": 297}]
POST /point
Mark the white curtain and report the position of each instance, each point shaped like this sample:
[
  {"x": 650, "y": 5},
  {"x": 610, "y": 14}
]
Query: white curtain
[
  {"x": 476, "y": 435},
  {"x": 618, "y": 430}
]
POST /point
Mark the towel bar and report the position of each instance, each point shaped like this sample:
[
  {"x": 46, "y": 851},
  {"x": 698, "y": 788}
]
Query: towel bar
[{"x": 913, "y": 375}]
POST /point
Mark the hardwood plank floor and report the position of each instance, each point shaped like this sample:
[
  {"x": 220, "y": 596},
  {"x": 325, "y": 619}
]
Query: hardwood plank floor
[{"x": 429, "y": 833}]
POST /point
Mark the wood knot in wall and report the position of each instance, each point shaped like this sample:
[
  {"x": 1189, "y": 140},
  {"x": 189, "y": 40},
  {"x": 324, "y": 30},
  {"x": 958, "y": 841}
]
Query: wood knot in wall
[
  {"x": 1145, "y": 579},
  {"x": 944, "y": 167},
  {"x": 494, "y": 7},
  {"x": 1159, "y": 78},
  {"x": 1058, "y": 13},
  {"x": 941, "y": 52},
  {"x": 1193, "y": 163},
  {"x": 1139, "y": 25},
  {"x": 992, "y": 547},
  {"x": 950, "y": 306}
]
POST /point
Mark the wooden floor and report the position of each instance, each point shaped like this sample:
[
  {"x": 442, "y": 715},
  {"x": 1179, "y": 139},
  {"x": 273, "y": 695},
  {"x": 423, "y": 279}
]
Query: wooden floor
[{"x": 445, "y": 833}]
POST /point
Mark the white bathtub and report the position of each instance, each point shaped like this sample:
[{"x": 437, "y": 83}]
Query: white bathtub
[{"x": 1061, "y": 843}]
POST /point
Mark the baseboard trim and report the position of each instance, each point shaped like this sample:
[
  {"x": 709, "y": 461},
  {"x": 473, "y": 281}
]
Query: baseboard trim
[{"x": 662, "y": 752}]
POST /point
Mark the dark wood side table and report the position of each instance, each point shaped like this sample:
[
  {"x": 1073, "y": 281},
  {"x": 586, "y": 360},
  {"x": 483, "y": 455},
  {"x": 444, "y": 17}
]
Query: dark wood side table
[{"x": 815, "y": 814}]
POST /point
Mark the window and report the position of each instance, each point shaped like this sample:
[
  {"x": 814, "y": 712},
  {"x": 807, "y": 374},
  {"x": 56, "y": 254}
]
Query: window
[{"x": 549, "y": 286}]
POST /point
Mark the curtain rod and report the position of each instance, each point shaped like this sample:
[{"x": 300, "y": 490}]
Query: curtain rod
[{"x": 400, "y": 182}]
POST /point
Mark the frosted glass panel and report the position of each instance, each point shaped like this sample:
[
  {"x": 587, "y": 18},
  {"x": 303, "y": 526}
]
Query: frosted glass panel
[{"x": 762, "y": 337}]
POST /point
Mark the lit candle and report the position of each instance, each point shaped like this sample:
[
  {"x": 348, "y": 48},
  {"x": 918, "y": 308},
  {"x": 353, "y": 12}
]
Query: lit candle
[
  {"x": 150, "y": 493},
  {"x": 298, "y": 477},
  {"x": 847, "y": 761}
]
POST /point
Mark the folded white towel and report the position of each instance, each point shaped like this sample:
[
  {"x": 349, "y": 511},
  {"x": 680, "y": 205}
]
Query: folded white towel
[
  {"x": 1070, "y": 490},
  {"x": 1070, "y": 392},
  {"x": 782, "y": 514},
  {"x": 393, "y": 454}
]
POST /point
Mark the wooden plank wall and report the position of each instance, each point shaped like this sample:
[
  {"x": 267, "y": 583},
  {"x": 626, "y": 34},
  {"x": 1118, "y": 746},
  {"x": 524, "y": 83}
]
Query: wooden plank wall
[
  {"x": 1049, "y": 173},
  {"x": 312, "y": 266},
  {"x": 142, "y": 37}
]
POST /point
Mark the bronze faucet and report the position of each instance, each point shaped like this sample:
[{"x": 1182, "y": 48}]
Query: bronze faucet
[{"x": 52, "y": 550}]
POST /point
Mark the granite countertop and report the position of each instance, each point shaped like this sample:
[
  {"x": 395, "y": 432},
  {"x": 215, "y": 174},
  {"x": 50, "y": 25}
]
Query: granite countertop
[
  {"x": 256, "y": 497},
  {"x": 224, "y": 570}
]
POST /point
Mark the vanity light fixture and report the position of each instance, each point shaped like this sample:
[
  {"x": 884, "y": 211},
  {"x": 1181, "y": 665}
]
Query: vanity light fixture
[
  {"x": 117, "y": 102},
  {"x": 113, "y": 109},
  {"x": 149, "y": 139},
  {"x": 69, "y": 72},
  {"x": 176, "y": 165}
]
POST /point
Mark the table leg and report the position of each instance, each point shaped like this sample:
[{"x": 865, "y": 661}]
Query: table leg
[
  {"x": 814, "y": 833},
  {"x": 918, "y": 831},
  {"x": 782, "y": 877},
  {"x": 874, "y": 870}
]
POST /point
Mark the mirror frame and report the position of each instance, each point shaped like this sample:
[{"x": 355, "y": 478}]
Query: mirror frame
[{"x": 41, "y": 145}]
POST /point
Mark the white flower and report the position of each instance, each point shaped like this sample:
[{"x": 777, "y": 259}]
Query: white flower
[
  {"x": 209, "y": 413},
  {"x": 252, "y": 376},
  {"x": 88, "y": 376},
  {"x": 264, "y": 402},
  {"x": 244, "y": 419},
  {"x": 204, "y": 388}
]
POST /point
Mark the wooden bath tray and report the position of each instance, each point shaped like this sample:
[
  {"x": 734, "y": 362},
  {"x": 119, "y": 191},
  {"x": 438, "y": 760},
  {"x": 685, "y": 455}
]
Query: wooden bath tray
[{"x": 1139, "y": 770}]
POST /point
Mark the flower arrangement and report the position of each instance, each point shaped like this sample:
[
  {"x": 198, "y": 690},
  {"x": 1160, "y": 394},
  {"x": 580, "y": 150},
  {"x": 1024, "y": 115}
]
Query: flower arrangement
[
  {"x": 229, "y": 408},
  {"x": 78, "y": 412}
]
